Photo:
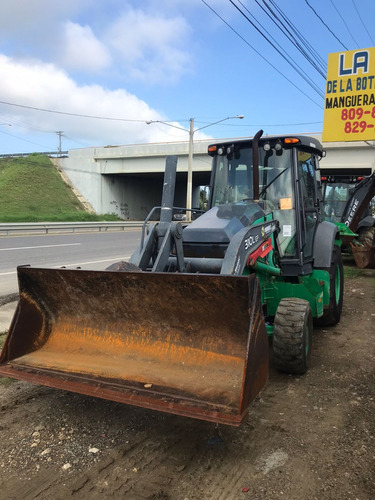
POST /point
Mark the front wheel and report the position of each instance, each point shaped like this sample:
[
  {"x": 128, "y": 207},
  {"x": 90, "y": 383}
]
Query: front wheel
[
  {"x": 332, "y": 313},
  {"x": 292, "y": 336}
]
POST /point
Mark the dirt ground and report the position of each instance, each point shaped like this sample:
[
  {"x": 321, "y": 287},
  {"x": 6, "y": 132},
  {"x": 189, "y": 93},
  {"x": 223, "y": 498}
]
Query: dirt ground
[{"x": 310, "y": 437}]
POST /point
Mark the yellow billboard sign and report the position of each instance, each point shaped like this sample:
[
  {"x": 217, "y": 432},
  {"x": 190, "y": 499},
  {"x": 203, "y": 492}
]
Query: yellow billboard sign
[{"x": 349, "y": 109}]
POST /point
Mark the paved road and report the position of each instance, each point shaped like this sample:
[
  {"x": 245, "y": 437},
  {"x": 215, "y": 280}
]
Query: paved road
[{"x": 88, "y": 250}]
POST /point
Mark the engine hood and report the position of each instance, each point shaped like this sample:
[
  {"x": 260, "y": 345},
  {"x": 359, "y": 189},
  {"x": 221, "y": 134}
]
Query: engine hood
[{"x": 221, "y": 223}]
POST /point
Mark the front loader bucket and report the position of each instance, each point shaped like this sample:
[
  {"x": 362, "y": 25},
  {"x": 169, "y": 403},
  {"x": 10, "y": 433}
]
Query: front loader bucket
[{"x": 189, "y": 344}]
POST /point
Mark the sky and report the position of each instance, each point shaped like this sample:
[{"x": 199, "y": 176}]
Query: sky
[{"x": 95, "y": 72}]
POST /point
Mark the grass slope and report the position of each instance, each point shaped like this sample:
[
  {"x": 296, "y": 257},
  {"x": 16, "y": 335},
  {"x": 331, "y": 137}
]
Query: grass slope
[{"x": 31, "y": 190}]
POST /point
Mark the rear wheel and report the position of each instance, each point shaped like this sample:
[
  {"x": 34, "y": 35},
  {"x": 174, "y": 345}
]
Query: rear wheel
[
  {"x": 292, "y": 336},
  {"x": 332, "y": 313}
]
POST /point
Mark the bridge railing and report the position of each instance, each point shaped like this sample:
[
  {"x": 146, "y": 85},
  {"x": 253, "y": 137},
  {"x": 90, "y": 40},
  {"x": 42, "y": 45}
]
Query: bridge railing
[{"x": 69, "y": 227}]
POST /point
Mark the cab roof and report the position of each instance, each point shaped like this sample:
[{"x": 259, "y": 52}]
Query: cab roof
[{"x": 304, "y": 141}]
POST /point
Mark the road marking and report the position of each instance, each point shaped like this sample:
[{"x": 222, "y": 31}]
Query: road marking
[
  {"x": 113, "y": 259},
  {"x": 41, "y": 246}
]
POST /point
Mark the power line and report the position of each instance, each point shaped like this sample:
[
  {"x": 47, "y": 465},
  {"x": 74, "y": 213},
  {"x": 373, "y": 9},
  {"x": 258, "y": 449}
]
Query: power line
[
  {"x": 19, "y": 123},
  {"x": 165, "y": 132},
  {"x": 21, "y": 139},
  {"x": 328, "y": 28},
  {"x": 267, "y": 125},
  {"x": 77, "y": 142},
  {"x": 363, "y": 24},
  {"x": 259, "y": 54},
  {"x": 285, "y": 31},
  {"x": 22, "y": 124},
  {"x": 343, "y": 20},
  {"x": 81, "y": 115},
  {"x": 72, "y": 114},
  {"x": 257, "y": 21},
  {"x": 302, "y": 75},
  {"x": 295, "y": 37}
]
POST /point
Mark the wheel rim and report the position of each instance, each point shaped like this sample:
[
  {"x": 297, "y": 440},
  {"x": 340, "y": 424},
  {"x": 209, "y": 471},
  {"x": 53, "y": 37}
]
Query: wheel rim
[{"x": 337, "y": 285}]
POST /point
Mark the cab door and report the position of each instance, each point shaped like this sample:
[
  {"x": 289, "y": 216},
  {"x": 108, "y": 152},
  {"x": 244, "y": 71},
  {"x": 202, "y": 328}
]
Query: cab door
[{"x": 308, "y": 201}]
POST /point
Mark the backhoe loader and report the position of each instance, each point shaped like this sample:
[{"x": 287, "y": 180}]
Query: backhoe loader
[
  {"x": 347, "y": 195},
  {"x": 184, "y": 327}
]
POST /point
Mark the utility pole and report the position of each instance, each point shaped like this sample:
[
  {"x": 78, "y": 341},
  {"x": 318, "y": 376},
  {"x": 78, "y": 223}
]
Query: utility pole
[
  {"x": 191, "y": 130},
  {"x": 60, "y": 133}
]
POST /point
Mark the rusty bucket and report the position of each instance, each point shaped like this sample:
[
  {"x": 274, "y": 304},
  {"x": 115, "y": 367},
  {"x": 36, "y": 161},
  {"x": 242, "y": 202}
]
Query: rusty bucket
[
  {"x": 189, "y": 344},
  {"x": 364, "y": 255}
]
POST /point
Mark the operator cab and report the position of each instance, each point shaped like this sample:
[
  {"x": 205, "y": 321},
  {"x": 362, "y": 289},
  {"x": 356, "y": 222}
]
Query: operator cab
[
  {"x": 338, "y": 185},
  {"x": 288, "y": 191}
]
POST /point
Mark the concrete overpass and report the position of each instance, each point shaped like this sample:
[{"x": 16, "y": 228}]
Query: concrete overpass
[{"x": 127, "y": 180}]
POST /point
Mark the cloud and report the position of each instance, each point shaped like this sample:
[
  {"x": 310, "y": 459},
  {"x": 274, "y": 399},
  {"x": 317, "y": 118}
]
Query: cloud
[
  {"x": 82, "y": 50},
  {"x": 142, "y": 44},
  {"x": 49, "y": 87},
  {"x": 153, "y": 48},
  {"x": 20, "y": 16},
  {"x": 50, "y": 61},
  {"x": 35, "y": 27}
]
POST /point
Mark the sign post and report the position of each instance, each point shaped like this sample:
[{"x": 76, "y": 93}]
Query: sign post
[{"x": 349, "y": 110}]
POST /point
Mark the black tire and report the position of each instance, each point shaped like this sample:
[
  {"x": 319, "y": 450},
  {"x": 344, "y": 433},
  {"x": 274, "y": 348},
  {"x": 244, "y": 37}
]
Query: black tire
[
  {"x": 292, "y": 336},
  {"x": 366, "y": 236},
  {"x": 332, "y": 313}
]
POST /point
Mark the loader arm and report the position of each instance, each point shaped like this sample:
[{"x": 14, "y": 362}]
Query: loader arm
[{"x": 361, "y": 195}]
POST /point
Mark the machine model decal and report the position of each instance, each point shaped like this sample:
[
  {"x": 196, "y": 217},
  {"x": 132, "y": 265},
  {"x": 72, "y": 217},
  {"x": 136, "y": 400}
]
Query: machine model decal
[
  {"x": 250, "y": 241},
  {"x": 352, "y": 212},
  {"x": 256, "y": 234}
]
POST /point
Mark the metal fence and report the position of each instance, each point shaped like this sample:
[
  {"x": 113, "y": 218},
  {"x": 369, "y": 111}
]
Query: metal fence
[{"x": 68, "y": 227}]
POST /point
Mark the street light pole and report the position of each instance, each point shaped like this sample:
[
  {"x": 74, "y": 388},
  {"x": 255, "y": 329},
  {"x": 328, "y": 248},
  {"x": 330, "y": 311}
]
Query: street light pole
[
  {"x": 191, "y": 130},
  {"x": 189, "y": 188}
]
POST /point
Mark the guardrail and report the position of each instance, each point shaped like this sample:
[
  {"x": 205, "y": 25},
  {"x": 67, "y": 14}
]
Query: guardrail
[
  {"x": 44, "y": 153},
  {"x": 69, "y": 227}
]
